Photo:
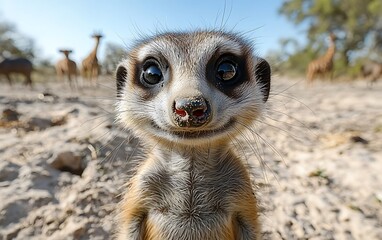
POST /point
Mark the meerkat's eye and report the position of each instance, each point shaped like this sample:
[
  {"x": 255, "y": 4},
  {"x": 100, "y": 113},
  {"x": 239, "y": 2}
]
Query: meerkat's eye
[
  {"x": 152, "y": 74},
  {"x": 226, "y": 71}
]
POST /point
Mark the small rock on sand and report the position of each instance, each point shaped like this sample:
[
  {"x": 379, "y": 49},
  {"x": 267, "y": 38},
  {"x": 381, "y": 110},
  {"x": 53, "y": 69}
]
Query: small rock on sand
[{"x": 67, "y": 161}]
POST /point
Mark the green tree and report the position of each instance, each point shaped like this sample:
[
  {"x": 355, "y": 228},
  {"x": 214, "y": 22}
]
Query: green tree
[
  {"x": 12, "y": 43},
  {"x": 114, "y": 53},
  {"x": 355, "y": 22}
]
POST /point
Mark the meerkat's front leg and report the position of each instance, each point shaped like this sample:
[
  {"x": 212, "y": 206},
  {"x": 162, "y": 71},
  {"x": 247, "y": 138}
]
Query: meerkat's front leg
[
  {"x": 133, "y": 217},
  {"x": 246, "y": 223}
]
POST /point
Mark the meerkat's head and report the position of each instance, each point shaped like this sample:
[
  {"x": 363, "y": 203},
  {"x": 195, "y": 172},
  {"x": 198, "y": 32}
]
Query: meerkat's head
[{"x": 193, "y": 88}]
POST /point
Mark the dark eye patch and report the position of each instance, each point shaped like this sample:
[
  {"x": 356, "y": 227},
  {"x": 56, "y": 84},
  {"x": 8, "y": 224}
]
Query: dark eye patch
[{"x": 227, "y": 71}]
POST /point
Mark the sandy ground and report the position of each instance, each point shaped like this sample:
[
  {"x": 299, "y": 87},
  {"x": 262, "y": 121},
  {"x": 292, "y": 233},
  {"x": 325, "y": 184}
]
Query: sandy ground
[{"x": 317, "y": 162}]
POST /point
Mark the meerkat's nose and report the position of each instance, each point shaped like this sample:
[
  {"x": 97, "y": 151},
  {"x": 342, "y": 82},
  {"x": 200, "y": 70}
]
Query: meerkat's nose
[{"x": 191, "y": 112}]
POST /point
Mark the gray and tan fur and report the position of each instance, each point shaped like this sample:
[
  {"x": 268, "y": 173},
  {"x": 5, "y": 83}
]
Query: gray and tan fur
[{"x": 192, "y": 185}]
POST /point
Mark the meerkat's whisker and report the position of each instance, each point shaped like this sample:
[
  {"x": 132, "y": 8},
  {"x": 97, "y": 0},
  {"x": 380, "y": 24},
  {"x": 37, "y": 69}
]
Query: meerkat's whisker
[
  {"x": 110, "y": 156},
  {"x": 256, "y": 151},
  {"x": 282, "y": 131},
  {"x": 264, "y": 140},
  {"x": 289, "y": 116}
]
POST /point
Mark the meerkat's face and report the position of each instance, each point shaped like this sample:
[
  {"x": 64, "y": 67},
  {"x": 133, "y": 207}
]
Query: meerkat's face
[{"x": 191, "y": 88}]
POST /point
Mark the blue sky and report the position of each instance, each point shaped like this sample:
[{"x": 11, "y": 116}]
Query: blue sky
[{"x": 55, "y": 24}]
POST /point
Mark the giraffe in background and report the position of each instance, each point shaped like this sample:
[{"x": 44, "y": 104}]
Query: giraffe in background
[
  {"x": 324, "y": 64},
  {"x": 90, "y": 66},
  {"x": 67, "y": 67}
]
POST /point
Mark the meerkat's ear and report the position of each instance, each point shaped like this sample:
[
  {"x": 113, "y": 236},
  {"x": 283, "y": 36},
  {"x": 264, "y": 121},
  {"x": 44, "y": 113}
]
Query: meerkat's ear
[
  {"x": 121, "y": 78},
  {"x": 263, "y": 77}
]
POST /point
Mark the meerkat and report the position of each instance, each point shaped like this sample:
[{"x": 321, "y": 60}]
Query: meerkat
[{"x": 187, "y": 95}]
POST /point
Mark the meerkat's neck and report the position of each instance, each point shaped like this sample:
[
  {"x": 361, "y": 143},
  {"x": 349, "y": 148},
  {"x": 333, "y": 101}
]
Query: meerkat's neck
[{"x": 196, "y": 155}]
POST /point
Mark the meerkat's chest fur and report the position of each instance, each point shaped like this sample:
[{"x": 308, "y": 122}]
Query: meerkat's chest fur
[
  {"x": 193, "y": 184},
  {"x": 193, "y": 194},
  {"x": 187, "y": 96}
]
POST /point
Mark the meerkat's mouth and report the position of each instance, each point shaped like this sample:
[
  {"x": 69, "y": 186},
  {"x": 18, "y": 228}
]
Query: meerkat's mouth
[{"x": 197, "y": 133}]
